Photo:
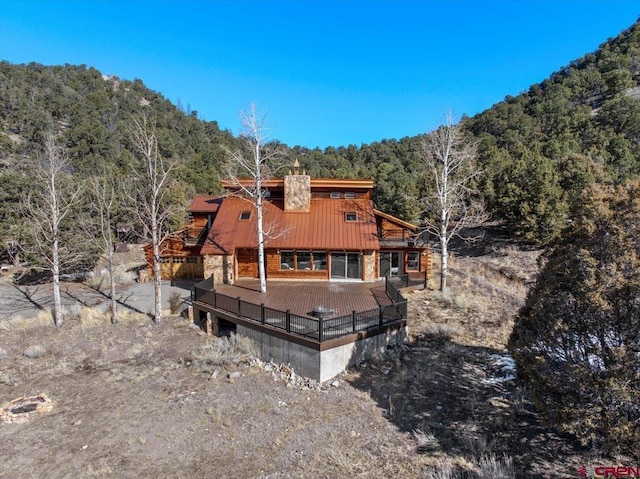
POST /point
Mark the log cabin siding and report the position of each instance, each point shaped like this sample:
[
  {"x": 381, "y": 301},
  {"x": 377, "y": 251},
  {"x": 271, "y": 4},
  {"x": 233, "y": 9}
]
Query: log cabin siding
[{"x": 274, "y": 270}]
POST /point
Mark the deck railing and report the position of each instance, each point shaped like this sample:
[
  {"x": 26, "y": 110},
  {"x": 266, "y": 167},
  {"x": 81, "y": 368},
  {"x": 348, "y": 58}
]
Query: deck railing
[{"x": 320, "y": 329}]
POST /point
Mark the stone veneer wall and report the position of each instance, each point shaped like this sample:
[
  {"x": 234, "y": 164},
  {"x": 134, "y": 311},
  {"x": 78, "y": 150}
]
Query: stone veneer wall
[
  {"x": 369, "y": 270},
  {"x": 297, "y": 193},
  {"x": 220, "y": 267}
]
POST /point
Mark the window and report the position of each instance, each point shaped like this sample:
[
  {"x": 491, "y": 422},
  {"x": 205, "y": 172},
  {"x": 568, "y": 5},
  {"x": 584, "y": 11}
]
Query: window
[
  {"x": 349, "y": 195},
  {"x": 413, "y": 260},
  {"x": 245, "y": 215},
  {"x": 351, "y": 216},
  {"x": 320, "y": 260},
  {"x": 335, "y": 194},
  {"x": 286, "y": 260},
  {"x": 303, "y": 260}
]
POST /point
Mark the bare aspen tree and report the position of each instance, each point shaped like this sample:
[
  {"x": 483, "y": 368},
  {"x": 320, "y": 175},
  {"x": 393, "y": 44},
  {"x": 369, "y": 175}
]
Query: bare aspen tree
[
  {"x": 451, "y": 207},
  {"x": 152, "y": 175},
  {"x": 256, "y": 165},
  {"x": 48, "y": 204},
  {"x": 103, "y": 194}
]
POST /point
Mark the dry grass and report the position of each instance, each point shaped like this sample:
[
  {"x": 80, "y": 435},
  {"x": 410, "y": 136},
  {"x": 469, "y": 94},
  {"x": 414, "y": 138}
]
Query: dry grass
[
  {"x": 227, "y": 350},
  {"x": 175, "y": 302},
  {"x": 493, "y": 468},
  {"x": 83, "y": 317},
  {"x": 133, "y": 398},
  {"x": 35, "y": 351}
]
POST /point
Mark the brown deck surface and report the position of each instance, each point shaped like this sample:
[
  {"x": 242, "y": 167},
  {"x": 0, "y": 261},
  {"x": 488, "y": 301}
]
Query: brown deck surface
[{"x": 302, "y": 297}]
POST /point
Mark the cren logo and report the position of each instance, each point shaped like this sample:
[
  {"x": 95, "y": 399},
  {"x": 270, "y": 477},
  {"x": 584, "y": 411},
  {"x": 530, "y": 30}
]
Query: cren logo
[{"x": 602, "y": 471}]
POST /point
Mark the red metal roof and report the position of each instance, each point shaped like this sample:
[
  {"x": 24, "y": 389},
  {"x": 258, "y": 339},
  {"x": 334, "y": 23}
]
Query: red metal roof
[
  {"x": 324, "y": 227},
  {"x": 205, "y": 204}
]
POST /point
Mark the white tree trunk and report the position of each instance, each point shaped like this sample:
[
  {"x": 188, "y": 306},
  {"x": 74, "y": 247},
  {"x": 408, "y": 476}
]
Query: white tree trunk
[
  {"x": 445, "y": 254},
  {"x": 112, "y": 287},
  {"x": 157, "y": 278},
  {"x": 55, "y": 270},
  {"x": 55, "y": 232},
  {"x": 261, "y": 269}
]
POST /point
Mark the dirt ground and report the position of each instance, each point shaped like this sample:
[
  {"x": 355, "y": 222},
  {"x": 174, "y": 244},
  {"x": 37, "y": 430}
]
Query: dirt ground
[{"x": 135, "y": 400}]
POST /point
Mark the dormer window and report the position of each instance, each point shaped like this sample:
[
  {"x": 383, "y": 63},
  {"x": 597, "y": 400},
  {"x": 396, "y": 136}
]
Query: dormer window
[
  {"x": 245, "y": 215},
  {"x": 351, "y": 216},
  {"x": 335, "y": 195},
  {"x": 349, "y": 195}
]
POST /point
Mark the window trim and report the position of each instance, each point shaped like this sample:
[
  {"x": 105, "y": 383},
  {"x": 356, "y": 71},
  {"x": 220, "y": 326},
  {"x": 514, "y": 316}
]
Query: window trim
[
  {"x": 244, "y": 213},
  {"x": 349, "y": 214}
]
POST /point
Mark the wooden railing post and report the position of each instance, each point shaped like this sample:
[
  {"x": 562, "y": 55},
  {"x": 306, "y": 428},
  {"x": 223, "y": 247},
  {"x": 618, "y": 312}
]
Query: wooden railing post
[
  {"x": 353, "y": 320},
  {"x": 288, "y": 320},
  {"x": 262, "y": 313}
]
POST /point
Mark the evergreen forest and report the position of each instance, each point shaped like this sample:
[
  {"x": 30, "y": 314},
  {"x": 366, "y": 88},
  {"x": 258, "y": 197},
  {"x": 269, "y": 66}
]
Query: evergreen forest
[{"x": 537, "y": 150}]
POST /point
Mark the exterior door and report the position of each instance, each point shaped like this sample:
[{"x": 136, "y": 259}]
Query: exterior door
[
  {"x": 346, "y": 266},
  {"x": 390, "y": 263},
  {"x": 247, "y": 260}
]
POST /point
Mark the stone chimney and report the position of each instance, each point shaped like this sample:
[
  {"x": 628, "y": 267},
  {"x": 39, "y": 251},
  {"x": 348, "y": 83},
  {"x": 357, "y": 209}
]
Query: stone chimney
[{"x": 297, "y": 190}]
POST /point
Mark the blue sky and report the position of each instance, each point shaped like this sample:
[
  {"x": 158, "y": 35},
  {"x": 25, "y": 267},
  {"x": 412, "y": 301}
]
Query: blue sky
[{"x": 328, "y": 73}]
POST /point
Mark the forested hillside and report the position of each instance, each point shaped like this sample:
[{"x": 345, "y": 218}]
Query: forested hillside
[{"x": 538, "y": 150}]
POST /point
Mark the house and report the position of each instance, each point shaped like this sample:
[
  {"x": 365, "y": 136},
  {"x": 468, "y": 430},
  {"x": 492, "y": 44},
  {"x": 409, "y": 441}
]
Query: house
[
  {"x": 316, "y": 228},
  {"x": 326, "y": 250}
]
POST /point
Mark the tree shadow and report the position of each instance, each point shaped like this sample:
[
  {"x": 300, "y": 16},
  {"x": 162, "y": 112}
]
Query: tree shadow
[
  {"x": 462, "y": 397},
  {"x": 28, "y": 296},
  {"x": 122, "y": 300}
]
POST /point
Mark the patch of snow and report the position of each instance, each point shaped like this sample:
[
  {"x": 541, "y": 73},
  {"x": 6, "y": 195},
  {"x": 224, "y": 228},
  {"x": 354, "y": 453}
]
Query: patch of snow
[{"x": 504, "y": 367}]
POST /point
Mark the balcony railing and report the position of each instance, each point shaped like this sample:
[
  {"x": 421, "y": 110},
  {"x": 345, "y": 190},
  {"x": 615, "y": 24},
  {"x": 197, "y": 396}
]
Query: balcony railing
[{"x": 319, "y": 329}]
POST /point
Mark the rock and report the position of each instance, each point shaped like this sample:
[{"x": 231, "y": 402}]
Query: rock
[
  {"x": 234, "y": 375},
  {"x": 214, "y": 375},
  {"x": 385, "y": 369},
  {"x": 335, "y": 383}
]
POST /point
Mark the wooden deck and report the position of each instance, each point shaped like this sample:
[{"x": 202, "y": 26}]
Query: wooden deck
[{"x": 302, "y": 297}]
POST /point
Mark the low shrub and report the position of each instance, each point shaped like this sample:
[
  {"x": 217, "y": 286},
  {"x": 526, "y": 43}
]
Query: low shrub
[
  {"x": 175, "y": 302},
  {"x": 35, "y": 351}
]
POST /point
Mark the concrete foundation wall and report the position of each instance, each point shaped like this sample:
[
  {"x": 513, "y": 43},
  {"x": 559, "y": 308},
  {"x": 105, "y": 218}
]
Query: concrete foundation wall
[
  {"x": 336, "y": 360},
  {"x": 321, "y": 365}
]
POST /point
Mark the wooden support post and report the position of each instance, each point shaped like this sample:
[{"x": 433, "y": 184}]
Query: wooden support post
[
  {"x": 262, "y": 313},
  {"x": 190, "y": 313},
  {"x": 209, "y": 324}
]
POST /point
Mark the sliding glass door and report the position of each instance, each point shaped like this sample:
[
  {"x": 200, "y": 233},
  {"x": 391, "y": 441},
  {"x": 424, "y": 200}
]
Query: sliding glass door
[{"x": 346, "y": 266}]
